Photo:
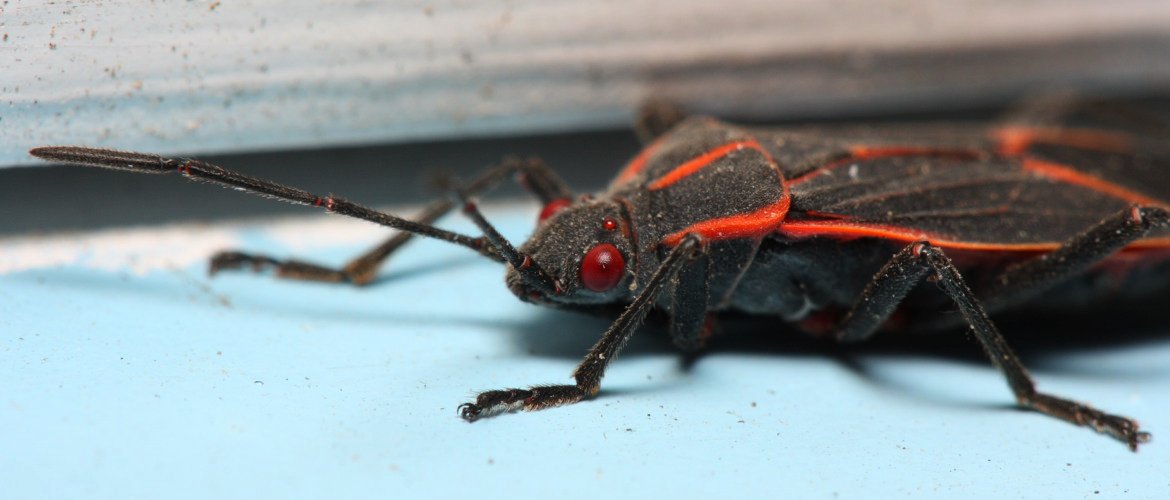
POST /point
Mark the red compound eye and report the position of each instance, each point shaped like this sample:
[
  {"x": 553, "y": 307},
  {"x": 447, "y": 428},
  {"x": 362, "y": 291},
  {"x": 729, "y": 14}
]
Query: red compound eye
[
  {"x": 553, "y": 207},
  {"x": 602, "y": 268}
]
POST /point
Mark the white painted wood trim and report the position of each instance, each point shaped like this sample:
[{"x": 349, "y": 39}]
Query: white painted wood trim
[{"x": 264, "y": 74}]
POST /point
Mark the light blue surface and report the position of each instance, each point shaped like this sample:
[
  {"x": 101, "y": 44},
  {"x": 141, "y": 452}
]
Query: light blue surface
[{"x": 173, "y": 385}]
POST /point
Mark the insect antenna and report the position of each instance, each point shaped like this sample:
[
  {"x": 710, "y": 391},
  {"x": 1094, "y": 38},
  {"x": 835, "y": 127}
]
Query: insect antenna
[
  {"x": 530, "y": 272},
  {"x": 206, "y": 172}
]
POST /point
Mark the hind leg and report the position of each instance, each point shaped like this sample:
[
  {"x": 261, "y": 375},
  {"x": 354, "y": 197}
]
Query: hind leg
[{"x": 908, "y": 268}]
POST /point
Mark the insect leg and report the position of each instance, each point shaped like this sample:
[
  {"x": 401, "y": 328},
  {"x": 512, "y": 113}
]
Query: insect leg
[
  {"x": 655, "y": 118},
  {"x": 882, "y": 295},
  {"x": 906, "y": 269},
  {"x": 533, "y": 174},
  {"x": 1031, "y": 277},
  {"x": 1049, "y": 108},
  {"x": 588, "y": 374},
  {"x": 359, "y": 271},
  {"x": 539, "y": 179},
  {"x": 690, "y": 323}
]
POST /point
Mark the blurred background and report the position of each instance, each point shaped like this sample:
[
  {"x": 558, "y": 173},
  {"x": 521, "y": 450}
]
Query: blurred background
[
  {"x": 364, "y": 98},
  {"x": 125, "y": 372}
]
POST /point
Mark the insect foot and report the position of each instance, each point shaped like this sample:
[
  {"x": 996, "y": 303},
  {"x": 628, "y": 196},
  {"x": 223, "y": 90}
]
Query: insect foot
[
  {"x": 237, "y": 260},
  {"x": 493, "y": 403},
  {"x": 1121, "y": 428}
]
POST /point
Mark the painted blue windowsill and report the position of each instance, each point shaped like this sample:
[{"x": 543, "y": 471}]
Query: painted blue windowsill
[{"x": 168, "y": 384}]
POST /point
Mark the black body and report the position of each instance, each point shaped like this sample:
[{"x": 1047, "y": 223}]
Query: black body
[
  {"x": 956, "y": 186},
  {"x": 835, "y": 228}
]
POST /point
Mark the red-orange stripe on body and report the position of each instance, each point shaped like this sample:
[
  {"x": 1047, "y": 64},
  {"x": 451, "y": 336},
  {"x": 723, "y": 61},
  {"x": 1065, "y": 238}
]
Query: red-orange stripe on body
[
  {"x": 1133, "y": 256},
  {"x": 1014, "y": 141},
  {"x": 851, "y": 230},
  {"x": 638, "y": 163},
  {"x": 871, "y": 152},
  {"x": 1148, "y": 244},
  {"x": 1064, "y": 173},
  {"x": 749, "y": 225},
  {"x": 699, "y": 162},
  {"x": 847, "y": 230}
]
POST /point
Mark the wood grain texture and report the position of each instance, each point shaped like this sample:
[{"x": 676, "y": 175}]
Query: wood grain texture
[{"x": 185, "y": 77}]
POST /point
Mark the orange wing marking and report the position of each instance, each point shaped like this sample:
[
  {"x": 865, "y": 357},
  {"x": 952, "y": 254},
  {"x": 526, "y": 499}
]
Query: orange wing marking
[
  {"x": 847, "y": 230},
  {"x": 1064, "y": 173},
  {"x": 1015, "y": 141}
]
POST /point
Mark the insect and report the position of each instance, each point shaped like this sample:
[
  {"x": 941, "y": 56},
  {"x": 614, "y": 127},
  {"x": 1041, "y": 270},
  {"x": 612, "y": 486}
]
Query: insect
[{"x": 836, "y": 228}]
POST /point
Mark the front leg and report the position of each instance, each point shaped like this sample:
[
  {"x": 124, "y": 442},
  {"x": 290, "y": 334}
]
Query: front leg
[
  {"x": 360, "y": 271},
  {"x": 589, "y": 373}
]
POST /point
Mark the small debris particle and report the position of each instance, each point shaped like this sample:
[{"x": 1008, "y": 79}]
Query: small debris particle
[
  {"x": 213, "y": 5},
  {"x": 491, "y": 461},
  {"x": 52, "y": 46},
  {"x": 261, "y": 382}
]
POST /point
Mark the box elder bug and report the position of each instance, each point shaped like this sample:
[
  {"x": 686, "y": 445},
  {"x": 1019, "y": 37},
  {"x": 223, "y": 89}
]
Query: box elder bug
[{"x": 833, "y": 226}]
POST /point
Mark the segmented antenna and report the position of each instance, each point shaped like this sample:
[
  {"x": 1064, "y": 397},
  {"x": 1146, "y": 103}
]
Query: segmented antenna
[
  {"x": 530, "y": 272},
  {"x": 198, "y": 170}
]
